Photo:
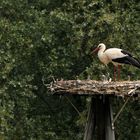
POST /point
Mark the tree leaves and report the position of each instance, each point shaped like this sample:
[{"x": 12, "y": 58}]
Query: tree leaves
[{"x": 46, "y": 39}]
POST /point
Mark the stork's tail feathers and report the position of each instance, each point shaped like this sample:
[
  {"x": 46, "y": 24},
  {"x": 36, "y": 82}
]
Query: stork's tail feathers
[
  {"x": 128, "y": 60},
  {"x": 134, "y": 61}
]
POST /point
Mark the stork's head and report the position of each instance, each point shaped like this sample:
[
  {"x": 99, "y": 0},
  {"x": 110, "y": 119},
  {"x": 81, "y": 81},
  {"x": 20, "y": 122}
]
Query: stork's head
[{"x": 101, "y": 46}]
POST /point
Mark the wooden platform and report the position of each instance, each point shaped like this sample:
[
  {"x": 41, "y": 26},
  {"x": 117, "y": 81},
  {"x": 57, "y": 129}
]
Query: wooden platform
[{"x": 100, "y": 114}]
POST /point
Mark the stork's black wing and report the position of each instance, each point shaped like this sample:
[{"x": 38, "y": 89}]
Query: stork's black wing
[
  {"x": 127, "y": 53},
  {"x": 128, "y": 59}
]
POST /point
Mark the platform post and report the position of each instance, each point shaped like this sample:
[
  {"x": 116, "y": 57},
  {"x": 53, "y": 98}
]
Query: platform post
[
  {"x": 99, "y": 123},
  {"x": 90, "y": 125}
]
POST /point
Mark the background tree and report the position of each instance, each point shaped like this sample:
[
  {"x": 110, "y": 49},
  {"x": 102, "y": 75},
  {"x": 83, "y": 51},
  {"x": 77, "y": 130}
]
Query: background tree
[{"x": 46, "y": 39}]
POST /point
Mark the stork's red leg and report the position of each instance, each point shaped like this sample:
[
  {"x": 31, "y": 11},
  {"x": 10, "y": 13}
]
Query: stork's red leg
[
  {"x": 114, "y": 73},
  {"x": 119, "y": 68}
]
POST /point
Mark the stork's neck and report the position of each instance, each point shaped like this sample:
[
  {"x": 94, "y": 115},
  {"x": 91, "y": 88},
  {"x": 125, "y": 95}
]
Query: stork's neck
[{"x": 101, "y": 50}]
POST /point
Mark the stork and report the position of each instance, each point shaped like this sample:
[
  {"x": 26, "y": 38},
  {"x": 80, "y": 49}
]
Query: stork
[{"x": 117, "y": 56}]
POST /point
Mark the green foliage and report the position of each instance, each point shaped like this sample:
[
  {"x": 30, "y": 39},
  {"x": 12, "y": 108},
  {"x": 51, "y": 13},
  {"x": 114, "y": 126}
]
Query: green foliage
[{"x": 43, "y": 39}]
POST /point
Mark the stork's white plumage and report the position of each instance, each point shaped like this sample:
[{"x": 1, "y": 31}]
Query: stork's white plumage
[{"x": 117, "y": 56}]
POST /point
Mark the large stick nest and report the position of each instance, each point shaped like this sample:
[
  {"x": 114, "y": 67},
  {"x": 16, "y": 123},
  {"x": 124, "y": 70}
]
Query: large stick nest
[{"x": 92, "y": 87}]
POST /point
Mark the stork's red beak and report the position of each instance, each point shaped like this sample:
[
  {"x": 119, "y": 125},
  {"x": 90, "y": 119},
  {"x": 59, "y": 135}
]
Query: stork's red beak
[{"x": 95, "y": 50}]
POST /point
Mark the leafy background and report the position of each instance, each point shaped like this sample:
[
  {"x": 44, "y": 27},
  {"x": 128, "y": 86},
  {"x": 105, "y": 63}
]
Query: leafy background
[{"x": 45, "y": 39}]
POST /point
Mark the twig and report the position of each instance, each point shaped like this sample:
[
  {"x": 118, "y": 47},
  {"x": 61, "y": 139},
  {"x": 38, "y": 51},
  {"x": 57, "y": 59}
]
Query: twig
[
  {"x": 73, "y": 106},
  {"x": 131, "y": 92}
]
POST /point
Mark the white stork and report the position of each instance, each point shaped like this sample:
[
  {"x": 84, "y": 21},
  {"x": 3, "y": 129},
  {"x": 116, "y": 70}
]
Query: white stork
[{"x": 117, "y": 56}]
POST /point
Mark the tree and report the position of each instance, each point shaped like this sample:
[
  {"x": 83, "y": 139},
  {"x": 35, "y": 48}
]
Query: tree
[{"x": 45, "y": 39}]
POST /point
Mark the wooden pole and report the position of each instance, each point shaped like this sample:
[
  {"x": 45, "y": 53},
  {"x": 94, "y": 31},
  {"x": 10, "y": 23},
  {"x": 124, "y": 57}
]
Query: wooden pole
[
  {"x": 100, "y": 117},
  {"x": 109, "y": 126},
  {"x": 90, "y": 126}
]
